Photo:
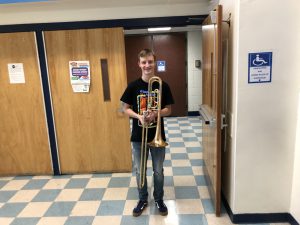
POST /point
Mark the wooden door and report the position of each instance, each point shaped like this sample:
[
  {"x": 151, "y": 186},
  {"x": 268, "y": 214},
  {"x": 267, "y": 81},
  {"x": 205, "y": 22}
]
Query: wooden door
[
  {"x": 24, "y": 145},
  {"x": 133, "y": 46},
  {"x": 211, "y": 109},
  {"x": 92, "y": 134},
  {"x": 170, "y": 48}
]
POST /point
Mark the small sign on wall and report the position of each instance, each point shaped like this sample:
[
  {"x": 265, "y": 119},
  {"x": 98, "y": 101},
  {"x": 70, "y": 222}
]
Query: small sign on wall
[
  {"x": 260, "y": 67},
  {"x": 161, "y": 66}
]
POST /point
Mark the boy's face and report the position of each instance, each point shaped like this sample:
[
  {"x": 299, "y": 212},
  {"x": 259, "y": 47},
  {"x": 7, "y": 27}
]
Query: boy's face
[{"x": 147, "y": 65}]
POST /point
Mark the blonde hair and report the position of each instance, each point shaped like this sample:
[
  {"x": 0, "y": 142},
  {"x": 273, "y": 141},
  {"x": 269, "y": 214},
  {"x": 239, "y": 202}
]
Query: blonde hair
[{"x": 146, "y": 52}]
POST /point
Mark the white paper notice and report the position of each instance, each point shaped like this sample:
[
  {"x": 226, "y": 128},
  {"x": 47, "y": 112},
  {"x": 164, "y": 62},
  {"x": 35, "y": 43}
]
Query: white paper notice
[
  {"x": 81, "y": 87},
  {"x": 16, "y": 73}
]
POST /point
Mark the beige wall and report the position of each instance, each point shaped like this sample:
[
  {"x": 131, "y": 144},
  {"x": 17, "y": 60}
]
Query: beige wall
[
  {"x": 295, "y": 203},
  {"x": 228, "y": 157},
  {"x": 194, "y": 52},
  {"x": 262, "y": 171}
]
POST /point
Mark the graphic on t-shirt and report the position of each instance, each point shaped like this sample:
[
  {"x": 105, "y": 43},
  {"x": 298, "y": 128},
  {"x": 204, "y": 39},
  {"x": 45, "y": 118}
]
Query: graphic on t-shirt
[{"x": 143, "y": 105}]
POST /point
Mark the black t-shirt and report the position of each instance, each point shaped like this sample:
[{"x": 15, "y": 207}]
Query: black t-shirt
[{"x": 136, "y": 95}]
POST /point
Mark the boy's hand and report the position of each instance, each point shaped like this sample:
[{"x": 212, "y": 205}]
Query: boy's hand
[{"x": 150, "y": 116}]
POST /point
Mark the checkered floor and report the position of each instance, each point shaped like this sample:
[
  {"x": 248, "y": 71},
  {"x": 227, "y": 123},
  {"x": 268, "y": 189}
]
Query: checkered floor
[{"x": 108, "y": 199}]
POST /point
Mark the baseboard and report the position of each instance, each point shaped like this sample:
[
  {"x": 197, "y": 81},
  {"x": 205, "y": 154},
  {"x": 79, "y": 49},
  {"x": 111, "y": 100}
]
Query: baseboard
[
  {"x": 258, "y": 217},
  {"x": 193, "y": 113},
  {"x": 292, "y": 220}
]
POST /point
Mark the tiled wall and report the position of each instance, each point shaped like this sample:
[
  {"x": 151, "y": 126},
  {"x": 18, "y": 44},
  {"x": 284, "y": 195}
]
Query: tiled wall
[{"x": 194, "y": 74}]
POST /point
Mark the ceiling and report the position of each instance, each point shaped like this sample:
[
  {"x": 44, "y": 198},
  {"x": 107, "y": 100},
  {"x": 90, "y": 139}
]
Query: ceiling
[
  {"x": 143, "y": 12},
  {"x": 25, "y": 5}
]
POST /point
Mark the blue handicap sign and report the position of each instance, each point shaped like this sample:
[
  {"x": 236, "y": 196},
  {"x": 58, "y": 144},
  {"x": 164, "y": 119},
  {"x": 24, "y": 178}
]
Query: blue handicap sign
[
  {"x": 260, "y": 67},
  {"x": 161, "y": 66},
  {"x": 160, "y": 63}
]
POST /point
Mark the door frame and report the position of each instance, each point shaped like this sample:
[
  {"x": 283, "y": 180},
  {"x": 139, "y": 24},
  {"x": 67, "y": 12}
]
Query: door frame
[{"x": 211, "y": 112}]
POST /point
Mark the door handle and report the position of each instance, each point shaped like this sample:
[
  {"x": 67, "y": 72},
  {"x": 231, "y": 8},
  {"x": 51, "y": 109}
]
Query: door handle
[{"x": 223, "y": 121}]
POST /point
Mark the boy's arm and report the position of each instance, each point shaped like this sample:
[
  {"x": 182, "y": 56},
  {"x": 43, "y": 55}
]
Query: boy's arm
[{"x": 128, "y": 111}]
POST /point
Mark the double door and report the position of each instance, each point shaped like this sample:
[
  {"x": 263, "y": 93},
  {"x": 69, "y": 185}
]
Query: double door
[{"x": 91, "y": 134}]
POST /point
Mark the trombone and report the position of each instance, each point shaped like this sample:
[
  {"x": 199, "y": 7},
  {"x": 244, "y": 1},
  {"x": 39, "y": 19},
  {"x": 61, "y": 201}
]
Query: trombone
[{"x": 157, "y": 141}]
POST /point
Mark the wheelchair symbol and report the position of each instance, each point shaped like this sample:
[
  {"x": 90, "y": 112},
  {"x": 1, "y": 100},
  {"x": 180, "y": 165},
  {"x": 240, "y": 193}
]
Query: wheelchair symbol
[{"x": 258, "y": 61}]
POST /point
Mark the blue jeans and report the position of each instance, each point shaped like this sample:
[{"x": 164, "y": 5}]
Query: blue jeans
[{"x": 158, "y": 157}]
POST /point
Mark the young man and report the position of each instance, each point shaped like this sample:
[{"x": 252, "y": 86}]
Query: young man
[{"x": 134, "y": 105}]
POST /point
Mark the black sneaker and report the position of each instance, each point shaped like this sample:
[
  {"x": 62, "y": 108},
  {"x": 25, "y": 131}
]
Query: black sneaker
[
  {"x": 141, "y": 205},
  {"x": 162, "y": 208}
]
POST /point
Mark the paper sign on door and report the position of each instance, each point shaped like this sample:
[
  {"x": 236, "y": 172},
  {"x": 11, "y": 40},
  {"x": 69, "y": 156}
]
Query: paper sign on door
[
  {"x": 80, "y": 75},
  {"x": 16, "y": 73}
]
